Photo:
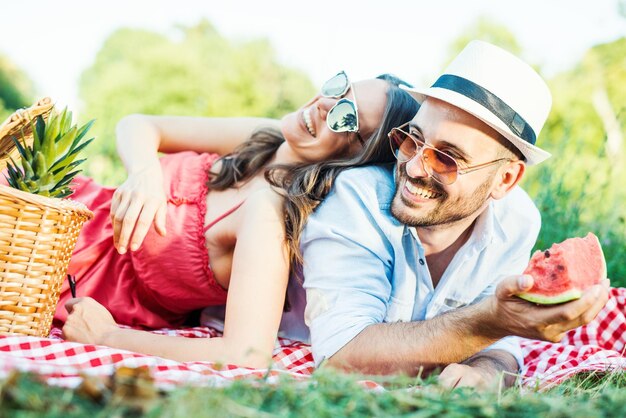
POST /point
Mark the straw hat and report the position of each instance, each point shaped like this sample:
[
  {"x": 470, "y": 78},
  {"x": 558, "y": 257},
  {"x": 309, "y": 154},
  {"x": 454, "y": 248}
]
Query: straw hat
[{"x": 499, "y": 89}]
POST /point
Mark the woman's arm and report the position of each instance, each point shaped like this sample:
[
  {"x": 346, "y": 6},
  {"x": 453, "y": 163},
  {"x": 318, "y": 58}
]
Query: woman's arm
[
  {"x": 254, "y": 307},
  {"x": 137, "y": 134},
  {"x": 140, "y": 201}
]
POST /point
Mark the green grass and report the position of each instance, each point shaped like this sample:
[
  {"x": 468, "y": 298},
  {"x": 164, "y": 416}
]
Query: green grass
[
  {"x": 327, "y": 394},
  {"x": 579, "y": 193}
]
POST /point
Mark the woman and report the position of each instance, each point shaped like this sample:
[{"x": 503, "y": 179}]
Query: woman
[{"x": 224, "y": 243}]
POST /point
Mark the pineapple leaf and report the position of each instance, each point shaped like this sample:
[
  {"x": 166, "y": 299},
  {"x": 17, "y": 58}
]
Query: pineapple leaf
[
  {"x": 83, "y": 129},
  {"x": 66, "y": 120},
  {"x": 64, "y": 192},
  {"x": 22, "y": 186},
  {"x": 48, "y": 148},
  {"x": 54, "y": 127},
  {"x": 81, "y": 146},
  {"x": 24, "y": 146},
  {"x": 29, "y": 172},
  {"x": 21, "y": 149},
  {"x": 39, "y": 165},
  {"x": 61, "y": 171},
  {"x": 65, "y": 143},
  {"x": 15, "y": 166},
  {"x": 64, "y": 182},
  {"x": 13, "y": 175},
  {"x": 40, "y": 131},
  {"x": 9, "y": 181},
  {"x": 68, "y": 177}
]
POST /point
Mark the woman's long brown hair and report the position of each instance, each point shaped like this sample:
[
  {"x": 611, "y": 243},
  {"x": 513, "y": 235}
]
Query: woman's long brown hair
[
  {"x": 247, "y": 160},
  {"x": 305, "y": 186}
]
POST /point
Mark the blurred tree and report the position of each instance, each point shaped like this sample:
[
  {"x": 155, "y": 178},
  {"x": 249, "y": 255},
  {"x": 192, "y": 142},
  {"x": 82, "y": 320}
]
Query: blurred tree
[
  {"x": 581, "y": 188},
  {"x": 485, "y": 29},
  {"x": 16, "y": 89},
  {"x": 199, "y": 73}
]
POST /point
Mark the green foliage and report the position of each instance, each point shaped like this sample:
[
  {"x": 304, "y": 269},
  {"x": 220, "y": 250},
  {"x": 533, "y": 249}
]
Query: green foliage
[
  {"x": 198, "y": 73},
  {"x": 487, "y": 30},
  {"x": 326, "y": 394},
  {"x": 15, "y": 88},
  {"x": 580, "y": 189}
]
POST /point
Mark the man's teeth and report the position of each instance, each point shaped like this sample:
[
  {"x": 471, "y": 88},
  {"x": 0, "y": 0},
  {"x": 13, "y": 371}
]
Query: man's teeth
[
  {"x": 306, "y": 114},
  {"x": 428, "y": 194}
]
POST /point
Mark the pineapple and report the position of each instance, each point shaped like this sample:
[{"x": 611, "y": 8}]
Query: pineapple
[{"x": 48, "y": 166}]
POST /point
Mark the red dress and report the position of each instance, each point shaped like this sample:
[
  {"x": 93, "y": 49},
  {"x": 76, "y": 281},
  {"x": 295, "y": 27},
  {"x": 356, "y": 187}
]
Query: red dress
[{"x": 167, "y": 278}]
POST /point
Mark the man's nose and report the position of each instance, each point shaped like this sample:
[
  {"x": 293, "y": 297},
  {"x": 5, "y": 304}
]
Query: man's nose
[{"x": 415, "y": 166}]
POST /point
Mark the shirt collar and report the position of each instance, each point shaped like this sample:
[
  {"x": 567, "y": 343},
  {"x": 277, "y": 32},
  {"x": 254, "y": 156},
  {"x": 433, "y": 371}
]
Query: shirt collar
[{"x": 487, "y": 228}]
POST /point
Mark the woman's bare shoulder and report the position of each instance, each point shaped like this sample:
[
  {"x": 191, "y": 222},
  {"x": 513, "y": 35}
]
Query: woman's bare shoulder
[{"x": 265, "y": 203}]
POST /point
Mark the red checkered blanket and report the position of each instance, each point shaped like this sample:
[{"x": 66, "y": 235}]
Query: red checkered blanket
[{"x": 598, "y": 346}]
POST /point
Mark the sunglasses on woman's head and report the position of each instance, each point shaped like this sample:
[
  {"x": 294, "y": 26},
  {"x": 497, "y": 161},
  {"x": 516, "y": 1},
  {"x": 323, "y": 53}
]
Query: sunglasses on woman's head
[
  {"x": 343, "y": 116},
  {"x": 442, "y": 167}
]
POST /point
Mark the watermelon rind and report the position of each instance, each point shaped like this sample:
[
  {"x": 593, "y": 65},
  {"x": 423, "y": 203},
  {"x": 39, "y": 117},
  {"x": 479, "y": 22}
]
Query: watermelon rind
[{"x": 552, "y": 300}]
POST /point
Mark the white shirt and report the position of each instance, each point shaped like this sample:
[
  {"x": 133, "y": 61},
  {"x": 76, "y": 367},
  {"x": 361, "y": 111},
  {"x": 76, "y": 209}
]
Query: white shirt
[{"x": 362, "y": 266}]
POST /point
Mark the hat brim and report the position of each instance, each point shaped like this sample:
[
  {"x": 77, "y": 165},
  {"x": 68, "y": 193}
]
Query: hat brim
[{"x": 533, "y": 154}]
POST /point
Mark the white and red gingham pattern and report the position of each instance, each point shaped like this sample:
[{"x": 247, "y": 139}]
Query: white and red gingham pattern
[
  {"x": 62, "y": 363},
  {"x": 598, "y": 346}
]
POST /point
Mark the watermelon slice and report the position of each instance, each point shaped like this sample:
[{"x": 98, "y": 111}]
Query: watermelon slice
[{"x": 564, "y": 271}]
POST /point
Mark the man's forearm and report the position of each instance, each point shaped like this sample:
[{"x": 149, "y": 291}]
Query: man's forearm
[{"x": 418, "y": 347}]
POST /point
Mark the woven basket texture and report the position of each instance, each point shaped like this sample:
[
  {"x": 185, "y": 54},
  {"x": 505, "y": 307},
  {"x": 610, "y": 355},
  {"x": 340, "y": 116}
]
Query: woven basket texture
[{"x": 37, "y": 237}]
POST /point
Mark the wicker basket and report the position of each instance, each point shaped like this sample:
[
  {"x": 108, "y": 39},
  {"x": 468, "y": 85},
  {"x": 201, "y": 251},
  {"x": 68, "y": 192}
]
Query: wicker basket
[{"x": 37, "y": 237}]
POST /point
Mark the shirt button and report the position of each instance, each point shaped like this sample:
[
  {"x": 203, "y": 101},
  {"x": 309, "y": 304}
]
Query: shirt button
[{"x": 421, "y": 262}]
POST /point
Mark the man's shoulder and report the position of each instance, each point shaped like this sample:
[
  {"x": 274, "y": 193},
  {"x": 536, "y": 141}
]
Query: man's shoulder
[
  {"x": 517, "y": 215},
  {"x": 371, "y": 183},
  {"x": 360, "y": 199},
  {"x": 517, "y": 205}
]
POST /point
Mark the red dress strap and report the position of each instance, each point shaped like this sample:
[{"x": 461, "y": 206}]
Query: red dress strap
[{"x": 219, "y": 218}]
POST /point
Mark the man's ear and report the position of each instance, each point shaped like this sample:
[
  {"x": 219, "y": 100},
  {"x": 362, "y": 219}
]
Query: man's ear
[{"x": 507, "y": 177}]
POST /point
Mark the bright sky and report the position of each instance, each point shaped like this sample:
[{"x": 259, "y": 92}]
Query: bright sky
[{"x": 54, "y": 41}]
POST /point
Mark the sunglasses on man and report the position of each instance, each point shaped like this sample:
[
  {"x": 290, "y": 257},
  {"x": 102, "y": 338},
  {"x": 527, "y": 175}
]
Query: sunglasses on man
[
  {"x": 442, "y": 167},
  {"x": 343, "y": 116}
]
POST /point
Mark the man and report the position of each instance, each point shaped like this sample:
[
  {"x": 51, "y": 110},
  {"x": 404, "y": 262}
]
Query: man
[{"x": 416, "y": 267}]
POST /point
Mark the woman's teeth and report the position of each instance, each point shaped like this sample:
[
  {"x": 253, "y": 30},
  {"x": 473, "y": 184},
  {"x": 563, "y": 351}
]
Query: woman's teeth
[
  {"x": 306, "y": 115},
  {"x": 427, "y": 194}
]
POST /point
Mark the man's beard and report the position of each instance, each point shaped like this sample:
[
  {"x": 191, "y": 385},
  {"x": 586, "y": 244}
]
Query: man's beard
[{"x": 445, "y": 212}]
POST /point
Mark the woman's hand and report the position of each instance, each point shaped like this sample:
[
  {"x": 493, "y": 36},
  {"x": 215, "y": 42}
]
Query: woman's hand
[
  {"x": 88, "y": 321},
  {"x": 137, "y": 204}
]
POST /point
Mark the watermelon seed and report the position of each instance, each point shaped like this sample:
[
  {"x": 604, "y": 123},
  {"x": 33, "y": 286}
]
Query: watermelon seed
[{"x": 546, "y": 253}]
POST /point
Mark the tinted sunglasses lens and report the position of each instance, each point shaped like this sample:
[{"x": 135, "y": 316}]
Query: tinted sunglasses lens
[
  {"x": 402, "y": 145},
  {"x": 336, "y": 86},
  {"x": 442, "y": 167},
  {"x": 343, "y": 117}
]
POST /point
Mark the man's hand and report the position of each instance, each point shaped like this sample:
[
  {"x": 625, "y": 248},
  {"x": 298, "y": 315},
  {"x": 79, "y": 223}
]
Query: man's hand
[
  {"x": 510, "y": 315},
  {"x": 457, "y": 375},
  {"x": 486, "y": 370},
  {"x": 88, "y": 321}
]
